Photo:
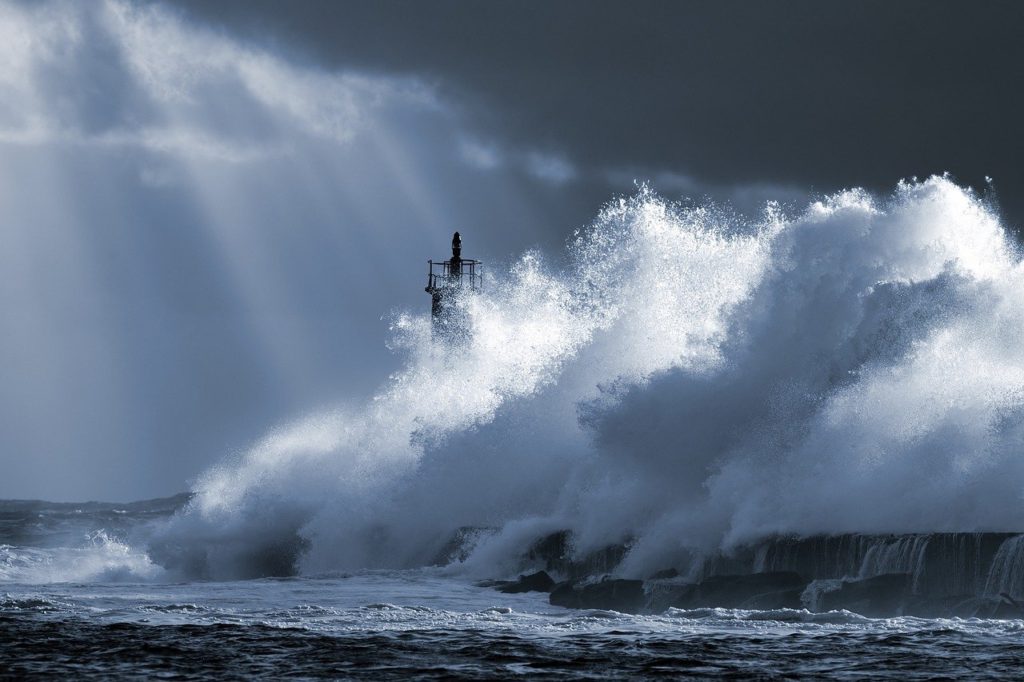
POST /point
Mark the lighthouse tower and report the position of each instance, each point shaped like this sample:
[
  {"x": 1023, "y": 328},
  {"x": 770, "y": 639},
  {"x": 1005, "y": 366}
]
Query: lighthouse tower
[{"x": 448, "y": 280}]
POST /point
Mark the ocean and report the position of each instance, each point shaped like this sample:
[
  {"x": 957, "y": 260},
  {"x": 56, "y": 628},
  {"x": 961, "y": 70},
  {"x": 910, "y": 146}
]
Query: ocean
[
  {"x": 829, "y": 402},
  {"x": 77, "y": 601},
  {"x": 778, "y": 439}
]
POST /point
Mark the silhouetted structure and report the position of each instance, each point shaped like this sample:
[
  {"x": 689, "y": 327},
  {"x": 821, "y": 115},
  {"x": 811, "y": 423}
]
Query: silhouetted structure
[{"x": 448, "y": 279}]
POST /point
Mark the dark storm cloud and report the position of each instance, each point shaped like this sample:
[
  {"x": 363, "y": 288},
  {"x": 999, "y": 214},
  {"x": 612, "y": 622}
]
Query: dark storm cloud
[
  {"x": 815, "y": 94},
  {"x": 205, "y": 232}
]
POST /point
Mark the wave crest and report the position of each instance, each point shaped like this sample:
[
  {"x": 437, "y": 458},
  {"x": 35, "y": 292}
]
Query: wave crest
[{"x": 690, "y": 380}]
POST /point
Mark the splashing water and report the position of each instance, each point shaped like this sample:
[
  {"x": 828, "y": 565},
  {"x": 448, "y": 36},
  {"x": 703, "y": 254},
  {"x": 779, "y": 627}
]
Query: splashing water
[
  {"x": 690, "y": 380},
  {"x": 99, "y": 558}
]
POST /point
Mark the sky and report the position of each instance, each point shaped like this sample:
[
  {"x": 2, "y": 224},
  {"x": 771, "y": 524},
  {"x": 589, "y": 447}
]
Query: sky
[{"x": 211, "y": 211}]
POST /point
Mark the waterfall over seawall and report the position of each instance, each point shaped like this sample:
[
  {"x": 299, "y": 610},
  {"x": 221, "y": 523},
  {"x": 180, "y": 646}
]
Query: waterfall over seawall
[
  {"x": 927, "y": 574},
  {"x": 936, "y": 564},
  {"x": 940, "y": 564},
  {"x": 931, "y": 573},
  {"x": 1006, "y": 575}
]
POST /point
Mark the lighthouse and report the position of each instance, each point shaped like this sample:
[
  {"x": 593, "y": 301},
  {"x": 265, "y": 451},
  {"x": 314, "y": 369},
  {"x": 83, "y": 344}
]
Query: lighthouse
[{"x": 447, "y": 280}]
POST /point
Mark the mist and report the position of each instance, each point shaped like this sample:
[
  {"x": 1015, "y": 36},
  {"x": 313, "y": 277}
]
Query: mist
[
  {"x": 213, "y": 279},
  {"x": 203, "y": 238},
  {"x": 690, "y": 382}
]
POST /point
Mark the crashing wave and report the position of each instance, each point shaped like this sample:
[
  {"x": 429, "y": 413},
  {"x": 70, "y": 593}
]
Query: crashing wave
[{"x": 690, "y": 380}]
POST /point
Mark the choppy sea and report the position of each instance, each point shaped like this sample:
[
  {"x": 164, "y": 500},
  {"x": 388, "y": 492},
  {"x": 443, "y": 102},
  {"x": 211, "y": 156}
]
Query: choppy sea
[{"x": 77, "y": 600}]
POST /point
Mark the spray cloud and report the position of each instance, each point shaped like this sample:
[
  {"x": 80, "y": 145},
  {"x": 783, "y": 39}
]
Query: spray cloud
[{"x": 690, "y": 380}]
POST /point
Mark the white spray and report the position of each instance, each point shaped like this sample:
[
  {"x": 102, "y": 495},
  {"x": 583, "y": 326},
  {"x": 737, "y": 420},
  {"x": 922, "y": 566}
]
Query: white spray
[{"x": 690, "y": 381}]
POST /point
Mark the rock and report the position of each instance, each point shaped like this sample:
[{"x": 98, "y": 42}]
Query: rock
[
  {"x": 599, "y": 562},
  {"x": 566, "y": 594},
  {"x": 780, "y": 589},
  {"x": 964, "y": 606},
  {"x": 534, "y": 582},
  {"x": 662, "y": 595},
  {"x": 780, "y": 599},
  {"x": 270, "y": 557},
  {"x": 613, "y": 594},
  {"x": 877, "y": 597},
  {"x": 956, "y": 606},
  {"x": 1007, "y": 608},
  {"x": 664, "y": 574},
  {"x": 461, "y": 544},
  {"x": 554, "y": 553}
]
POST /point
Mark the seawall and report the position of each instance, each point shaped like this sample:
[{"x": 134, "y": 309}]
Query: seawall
[{"x": 926, "y": 574}]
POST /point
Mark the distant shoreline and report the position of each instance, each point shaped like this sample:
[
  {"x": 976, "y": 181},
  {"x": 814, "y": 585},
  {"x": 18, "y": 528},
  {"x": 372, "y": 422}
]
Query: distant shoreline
[{"x": 172, "y": 503}]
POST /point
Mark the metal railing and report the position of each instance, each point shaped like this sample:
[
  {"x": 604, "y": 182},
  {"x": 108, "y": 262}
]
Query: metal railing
[{"x": 469, "y": 273}]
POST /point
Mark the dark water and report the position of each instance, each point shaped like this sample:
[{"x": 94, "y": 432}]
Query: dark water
[
  {"x": 82, "y": 649},
  {"x": 80, "y": 599}
]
